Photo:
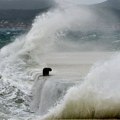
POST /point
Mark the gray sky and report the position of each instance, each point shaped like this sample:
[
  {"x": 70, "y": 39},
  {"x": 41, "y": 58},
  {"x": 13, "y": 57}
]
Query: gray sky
[{"x": 35, "y": 4}]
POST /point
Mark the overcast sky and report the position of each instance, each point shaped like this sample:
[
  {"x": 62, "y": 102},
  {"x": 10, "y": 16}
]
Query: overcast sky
[{"x": 36, "y": 4}]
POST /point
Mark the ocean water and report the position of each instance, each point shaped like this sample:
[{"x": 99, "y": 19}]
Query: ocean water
[
  {"x": 83, "y": 52},
  {"x": 8, "y": 35}
]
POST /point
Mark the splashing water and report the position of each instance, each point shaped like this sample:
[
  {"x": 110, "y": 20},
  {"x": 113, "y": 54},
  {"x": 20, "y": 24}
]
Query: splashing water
[
  {"x": 22, "y": 61},
  {"x": 21, "y": 64},
  {"x": 97, "y": 97}
]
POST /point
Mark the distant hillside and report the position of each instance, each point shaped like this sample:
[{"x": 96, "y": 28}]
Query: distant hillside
[
  {"x": 18, "y": 18},
  {"x": 111, "y": 4},
  {"x": 108, "y": 8},
  {"x": 24, "y": 17},
  {"x": 25, "y": 4}
]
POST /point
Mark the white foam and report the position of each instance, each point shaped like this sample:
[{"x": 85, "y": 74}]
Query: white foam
[{"x": 97, "y": 97}]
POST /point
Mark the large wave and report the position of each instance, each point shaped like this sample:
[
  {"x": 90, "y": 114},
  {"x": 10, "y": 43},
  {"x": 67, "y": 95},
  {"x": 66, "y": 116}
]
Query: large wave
[
  {"x": 26, "y": 53},
  {"x": 97, "y": 97},
  {"x": 22, "y": 62}
]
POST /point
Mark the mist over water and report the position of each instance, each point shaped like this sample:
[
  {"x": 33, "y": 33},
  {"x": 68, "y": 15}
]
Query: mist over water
[
  {"x": 97, "y": 97},
  {"x": 68, "y": 27}
]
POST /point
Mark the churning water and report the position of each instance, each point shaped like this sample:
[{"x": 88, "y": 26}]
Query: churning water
[{"x": 61, "y": 39}]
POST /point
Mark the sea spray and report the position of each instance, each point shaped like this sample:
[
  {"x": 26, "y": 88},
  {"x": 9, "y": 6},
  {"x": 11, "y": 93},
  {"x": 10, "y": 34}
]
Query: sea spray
[
  {"x": 47, "y": 91},
  {"x": 26, "y": 53},
  {"x": 97, "y": 97},
  {"x": 21, "y": 63}
]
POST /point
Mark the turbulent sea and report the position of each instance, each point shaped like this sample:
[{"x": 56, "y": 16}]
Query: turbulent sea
[
  {"x": 83, "y": 51},
  {"x": 8, "y": 35}
]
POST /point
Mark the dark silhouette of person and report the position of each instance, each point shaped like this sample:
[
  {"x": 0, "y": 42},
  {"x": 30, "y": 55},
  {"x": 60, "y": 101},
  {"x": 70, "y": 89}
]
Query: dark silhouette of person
[{"x": 46, "y": 71}]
